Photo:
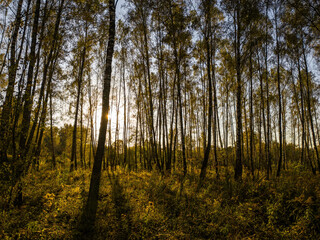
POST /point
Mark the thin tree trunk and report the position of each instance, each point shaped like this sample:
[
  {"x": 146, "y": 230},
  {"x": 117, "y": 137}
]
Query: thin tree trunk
[
  {"x": 81, "y": 130},
  {"x": 310, "y": 111},
  {"x": 7, "y": 105},
  {"x": 18, "y": 107},
  {"x": 152, "y": 130},
  {"x": 216, "y": 125},
  {"x": 51, "y": 133},
  {"x": 50, "y": 59},
  {"x": 251, "y": 113},
  {"x": 208, "y": 147},
  {"x": 73, "y": 165},
  {"x": 41, "y": 126},
  {"x": 268, "y": 155},
  {"x": 279, "y": 97},
  {"x": 28, "y": 101},
  {"x": 238, "y": 167}
]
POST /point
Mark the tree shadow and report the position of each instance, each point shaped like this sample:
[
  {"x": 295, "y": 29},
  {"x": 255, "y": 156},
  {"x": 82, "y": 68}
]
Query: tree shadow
[
  {"x": 119, "y": 225},
  {"x": 122, "y": 210}
]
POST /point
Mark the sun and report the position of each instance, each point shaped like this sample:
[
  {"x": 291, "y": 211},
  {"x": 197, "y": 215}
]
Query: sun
[{"x": 112, "y": 116}]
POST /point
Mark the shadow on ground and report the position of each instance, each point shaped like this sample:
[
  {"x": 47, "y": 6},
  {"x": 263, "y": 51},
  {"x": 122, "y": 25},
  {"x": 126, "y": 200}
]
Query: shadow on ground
[
  {"x": 114, "y": 220},
  {"x": 123, "y": 219}
]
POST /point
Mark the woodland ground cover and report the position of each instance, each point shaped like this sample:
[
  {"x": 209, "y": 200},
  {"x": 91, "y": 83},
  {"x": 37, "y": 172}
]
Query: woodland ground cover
[{"x": 146, "y": 205}]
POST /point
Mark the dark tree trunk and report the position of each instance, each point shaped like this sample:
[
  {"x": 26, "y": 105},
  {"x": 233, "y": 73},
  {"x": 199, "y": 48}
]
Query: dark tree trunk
[
  {"x": 279, "y": 97},
  {"x": 238, "y": 167},
  {"x": 208, "y": 52},
  {"x": 27, "y": 98},
  {"x": 50, "y": 59},
  {"x": 268, "y": 140},
  {"x": 314, "y": 138},
  {"x": 89, "y": 213},
  {"x": 43, "y": 115},
  {"x": 7, "y": 105},
  {"x": 51, "y": 133},
  {"x": 81, "y": 130},
  {"x": 148, "y": 85},
  {"x": 251, "y": 114},
  {"x": 74, "y": 134}
]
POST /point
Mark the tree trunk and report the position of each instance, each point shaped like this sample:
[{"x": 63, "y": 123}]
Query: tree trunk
[
  {"x": 51, "y": 133},
  {"x": 89, "y": 213},
  {"x": 314, "y": 138},
  {"x": 251, "y": 113},
  {"x": 27, "y": 99},
  {"x": 238, "y": 167},
  {"x": 74, "y": 134},
  {"x": 208, "y": 53},
  {"x": 49, "y": 61},
  {"x": 268, "y": 155},
  {"x": 7, "y": 105},
  {"x": 279, "y": 96}
]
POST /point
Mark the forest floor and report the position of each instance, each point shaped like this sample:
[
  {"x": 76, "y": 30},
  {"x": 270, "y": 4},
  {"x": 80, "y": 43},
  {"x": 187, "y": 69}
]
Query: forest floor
[{"x": 145, "y": 205}]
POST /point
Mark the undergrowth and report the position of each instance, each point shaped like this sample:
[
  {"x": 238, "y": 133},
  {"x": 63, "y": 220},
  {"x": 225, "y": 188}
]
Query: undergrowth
[{"x": 146, "y": 205}]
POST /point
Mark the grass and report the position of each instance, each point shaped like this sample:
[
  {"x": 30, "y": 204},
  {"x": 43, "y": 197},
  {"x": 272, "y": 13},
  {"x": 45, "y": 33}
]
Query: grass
[{"x": 145, "y": 205}]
